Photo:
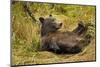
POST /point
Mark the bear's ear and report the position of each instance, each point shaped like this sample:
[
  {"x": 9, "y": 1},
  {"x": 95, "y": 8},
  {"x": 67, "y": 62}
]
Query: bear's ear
[
  {"x": 41, "y": 19},
  {"x": 50, "y": 15}
]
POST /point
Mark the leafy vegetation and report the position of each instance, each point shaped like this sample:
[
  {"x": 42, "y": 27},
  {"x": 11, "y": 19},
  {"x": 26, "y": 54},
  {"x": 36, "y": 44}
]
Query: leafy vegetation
[{"x": 26, "y": 32}]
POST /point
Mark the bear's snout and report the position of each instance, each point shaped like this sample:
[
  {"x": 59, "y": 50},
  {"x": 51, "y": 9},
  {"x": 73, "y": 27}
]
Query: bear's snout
[{"x": 58, "y": 26}]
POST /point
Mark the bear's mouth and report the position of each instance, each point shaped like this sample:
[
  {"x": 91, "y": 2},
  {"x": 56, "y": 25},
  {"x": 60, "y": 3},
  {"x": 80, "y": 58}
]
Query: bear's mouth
[{"x": 59, "y": 26}]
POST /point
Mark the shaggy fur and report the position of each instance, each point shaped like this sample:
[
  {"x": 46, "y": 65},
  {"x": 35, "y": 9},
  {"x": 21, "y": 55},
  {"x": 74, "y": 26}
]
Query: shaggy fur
[{"x": 61, "y": 42}]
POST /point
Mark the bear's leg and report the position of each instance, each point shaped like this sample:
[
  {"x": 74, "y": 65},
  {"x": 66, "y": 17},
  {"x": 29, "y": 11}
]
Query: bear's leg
[{"x": 54, "y": 47}]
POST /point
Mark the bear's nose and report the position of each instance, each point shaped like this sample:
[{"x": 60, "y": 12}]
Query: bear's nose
[{"x": 60, "y": 24}]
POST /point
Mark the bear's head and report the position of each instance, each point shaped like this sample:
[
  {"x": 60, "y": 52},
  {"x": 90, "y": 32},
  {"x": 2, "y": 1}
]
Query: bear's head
[{"x": 49, "y": 25}]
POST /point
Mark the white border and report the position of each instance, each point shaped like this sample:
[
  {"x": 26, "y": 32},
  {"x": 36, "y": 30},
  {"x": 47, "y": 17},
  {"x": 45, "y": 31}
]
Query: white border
[
  {"x": 5, "y": 32},
  {"x": 88, "y": 2}
]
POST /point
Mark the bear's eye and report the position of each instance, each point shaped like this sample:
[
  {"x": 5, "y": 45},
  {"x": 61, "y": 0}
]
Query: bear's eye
[
  {"x": 53, "y": 25},
  {"x": 53, "y": 19}
]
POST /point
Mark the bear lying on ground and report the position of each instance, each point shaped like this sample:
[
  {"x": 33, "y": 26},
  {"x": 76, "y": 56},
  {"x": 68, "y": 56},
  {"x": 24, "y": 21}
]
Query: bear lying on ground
[{"x": 61, "y": 42}]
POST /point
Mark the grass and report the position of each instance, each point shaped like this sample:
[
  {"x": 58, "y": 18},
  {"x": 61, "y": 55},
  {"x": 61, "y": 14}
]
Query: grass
[{"x": 26, "y": 33}]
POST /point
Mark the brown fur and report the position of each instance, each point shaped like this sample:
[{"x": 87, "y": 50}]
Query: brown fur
[{"x": 61, "y": 42}]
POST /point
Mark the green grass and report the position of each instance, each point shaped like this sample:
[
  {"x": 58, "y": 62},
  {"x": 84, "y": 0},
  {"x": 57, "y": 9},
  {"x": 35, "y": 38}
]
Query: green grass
[{"x": 26, "y": 33}]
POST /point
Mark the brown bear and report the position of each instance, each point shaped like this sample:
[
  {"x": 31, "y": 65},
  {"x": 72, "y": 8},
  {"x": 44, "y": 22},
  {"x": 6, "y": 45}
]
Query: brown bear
[{"x": 61, "y": 42}]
